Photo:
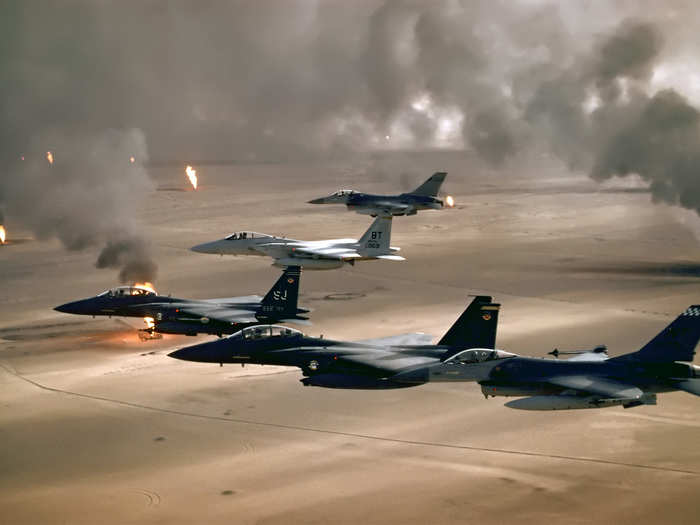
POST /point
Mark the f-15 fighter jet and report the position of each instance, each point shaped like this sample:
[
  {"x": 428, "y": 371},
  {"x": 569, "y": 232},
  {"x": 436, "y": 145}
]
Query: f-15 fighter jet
[
  {"x": 390, "y": 362},
  {"x": 170, "y": 315},
  {"x": 424, "y": 197},
  {"x": 312, "y": 255}
]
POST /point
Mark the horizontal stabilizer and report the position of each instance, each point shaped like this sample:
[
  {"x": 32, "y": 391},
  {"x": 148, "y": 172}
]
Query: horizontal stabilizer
[{"x": 692, "y": 386}]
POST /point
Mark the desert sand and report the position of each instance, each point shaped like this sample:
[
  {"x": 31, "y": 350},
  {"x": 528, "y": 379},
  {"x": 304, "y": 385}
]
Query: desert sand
[{"x": 97, "y": 426}]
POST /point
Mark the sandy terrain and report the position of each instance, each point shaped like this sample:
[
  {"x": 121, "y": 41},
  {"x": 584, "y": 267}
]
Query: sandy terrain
[{"x": 98, "y": 427}]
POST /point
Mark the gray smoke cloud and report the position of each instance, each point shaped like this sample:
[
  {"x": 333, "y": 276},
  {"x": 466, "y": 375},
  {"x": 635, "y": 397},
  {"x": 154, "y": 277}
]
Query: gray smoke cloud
[
  {"x": 87, "y": 197},
  {"x": 286, "y": 80}
]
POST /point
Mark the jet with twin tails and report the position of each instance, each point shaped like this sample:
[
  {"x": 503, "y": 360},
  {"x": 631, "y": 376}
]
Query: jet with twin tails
[
  {"x": 467, "y": 353},
  {"x": 424, "y": 197},
  {"x": 311, "y": 255},
  {"x": 170, "y": 315},
  {"x": 391, "y": 362}
]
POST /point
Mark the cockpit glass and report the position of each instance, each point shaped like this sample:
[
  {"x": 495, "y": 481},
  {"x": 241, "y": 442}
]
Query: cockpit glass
[
  {"x": 125, "y": 291},
  {"x": 267, "y": 331},
  {"x": 240, "y": 235},
  {"x": 475, "y": 356}
]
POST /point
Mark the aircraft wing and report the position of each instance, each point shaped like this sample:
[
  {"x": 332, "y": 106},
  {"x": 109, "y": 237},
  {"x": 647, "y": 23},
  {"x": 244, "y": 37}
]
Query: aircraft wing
[
  {"x": 390, "y": 206},
  {"x": 231, "y": 301},
  {"x": 400, "y": 340},
  {"x": 327, "y": 252},
  {"x": 590, "y": 356},
  {"x": 606, "y": 388},
  {"x": 217, "y": 312},
  {"x": 388, "y": 362},
  {"x": 319, "y": 250}
]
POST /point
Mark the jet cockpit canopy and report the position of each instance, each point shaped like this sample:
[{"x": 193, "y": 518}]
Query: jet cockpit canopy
[
  {"x": 478, "y": 355},
  {"x": 343, "y": 193},
  {"x": 266, "y": 331},
  {"x": 124, "y": 291},
  {"x": 245, "y": 235}
]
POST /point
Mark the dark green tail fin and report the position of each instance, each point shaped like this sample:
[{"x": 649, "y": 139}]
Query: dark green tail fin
[{"x": 476, "y": 327}]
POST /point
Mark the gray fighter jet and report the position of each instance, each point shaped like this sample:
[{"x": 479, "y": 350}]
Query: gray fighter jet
[
  {"x": 467, "y": 353},
  {"x": 312, "y": 255},
  {"x": 424, "y": 197},
  {"x": 390, "y": 362},
  {"x": 170, "y": 315}
]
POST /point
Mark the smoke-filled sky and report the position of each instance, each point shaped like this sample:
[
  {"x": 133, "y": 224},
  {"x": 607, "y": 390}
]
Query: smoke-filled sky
[{"x": 610, "y": 88}]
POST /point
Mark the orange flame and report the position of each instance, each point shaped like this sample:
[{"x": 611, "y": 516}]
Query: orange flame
[
  {"x": 150, "y": 323},
  {"x": 192, "y": 175},
  {"x": 132, "y": 159},
  {"x": 2, "y": 234},
  {"x": 450, "y": 201},
  {"x": 148, "y": 286},
  {"x": 49, "y": 157}
]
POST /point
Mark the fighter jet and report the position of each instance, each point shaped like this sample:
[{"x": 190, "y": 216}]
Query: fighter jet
[
  {"x": 312, "y": 255},
  {"x": 390, "y": 362},
  {"x": 424, "y": 197},
  {"x": 170, "y": 315},
  {"x": 591, "y": 379}
]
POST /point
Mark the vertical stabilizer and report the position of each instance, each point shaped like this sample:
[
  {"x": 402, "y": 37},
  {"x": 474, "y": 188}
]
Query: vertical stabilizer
[
  {"x": 476, "y": 327},
  {"x": 431, "y": 187},
  {"x": 281, "y": 301},
  {"x": 376, "y": 239},
  {"x": 676, "y": 342}
]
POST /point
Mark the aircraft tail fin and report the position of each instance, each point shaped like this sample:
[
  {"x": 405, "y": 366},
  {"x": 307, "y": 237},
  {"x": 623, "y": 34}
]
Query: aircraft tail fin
[
  {"x": 431, "y": 187},
  {"x": 676, "y": 342},
  {"x": 281, "y": 301},
  {"x": 377, "y": 238},
  {"x": 476, "y": 327}
]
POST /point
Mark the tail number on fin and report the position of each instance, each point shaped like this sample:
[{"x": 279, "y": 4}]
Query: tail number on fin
[
  {"x": 279, "y": 296},
  {"x": 375, "y": 237}
]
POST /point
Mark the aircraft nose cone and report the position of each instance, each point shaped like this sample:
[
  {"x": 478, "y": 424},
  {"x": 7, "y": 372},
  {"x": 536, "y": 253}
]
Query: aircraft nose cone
[
  {"x": 75, "y": 307},
  {"x": 202, "y": 353},
  {"x": 183, "y": 354},
  {"x": 320, "y": 200},
  {"x": 207, "y": 247}
]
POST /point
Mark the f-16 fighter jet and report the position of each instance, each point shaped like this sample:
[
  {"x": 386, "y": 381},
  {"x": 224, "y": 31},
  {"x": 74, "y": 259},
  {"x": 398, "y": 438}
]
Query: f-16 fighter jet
[
  {"x": 424, "y": 197},
  {"x": 312, "y": 255},
  {"x": 391, "y": 362},
  {"x": 170, "y": 315},
  {"x": 591, "y": 379}
]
